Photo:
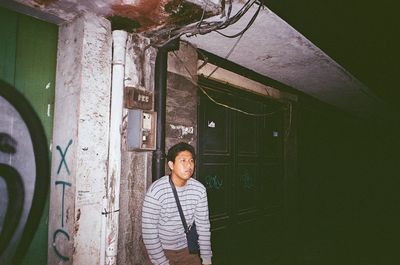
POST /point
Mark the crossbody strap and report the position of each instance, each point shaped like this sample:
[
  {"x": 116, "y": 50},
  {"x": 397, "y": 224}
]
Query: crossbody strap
[{"x": 179, "y": 205}]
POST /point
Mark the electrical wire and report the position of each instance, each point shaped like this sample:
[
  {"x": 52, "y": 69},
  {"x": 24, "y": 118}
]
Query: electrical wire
[
  {"x": 243, "y": 10},
  {"x": 202, "y": 27},
  {"x": 246, "y": 28},
  {"x": 248, "y": 4},
  {"x": 165, "y": 35},
  {"x": 227, "y": 55},
  {"x": 236, "y": 109},
  {"x": 202, "y": 17},
  {"x": 192, "y": 80}
]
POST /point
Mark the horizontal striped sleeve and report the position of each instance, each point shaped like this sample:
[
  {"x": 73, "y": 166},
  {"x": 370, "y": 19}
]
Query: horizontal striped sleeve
[
  {"x": 150, "y": 218},
  {"x": 203, "y": 228}
]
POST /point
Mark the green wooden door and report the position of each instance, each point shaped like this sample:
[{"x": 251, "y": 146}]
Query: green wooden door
[
  {"x": 28, "y": 51},
  {"x": 240, "y": 163}
]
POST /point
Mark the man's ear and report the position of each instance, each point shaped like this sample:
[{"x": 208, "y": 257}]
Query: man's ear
[{"x": 170, "y": 165}]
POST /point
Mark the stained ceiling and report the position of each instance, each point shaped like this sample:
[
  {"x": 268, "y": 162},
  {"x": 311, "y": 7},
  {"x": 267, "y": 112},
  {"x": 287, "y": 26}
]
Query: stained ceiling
[
  {"x": 274, "y": 48},
  {"x": 339, "y": 52}
]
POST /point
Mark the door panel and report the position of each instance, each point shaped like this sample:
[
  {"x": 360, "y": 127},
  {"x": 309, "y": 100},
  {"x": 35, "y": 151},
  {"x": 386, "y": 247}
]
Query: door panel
[
  {"x": 35, "y": 66},
  {"x": 28, "y": 50},
  {"x": 273, "y": 135},
  {"x": 8, "y": 33},
  {"x": 247, "y": 135},
  {"x": 246, "y": 200},
  {"x": 216, "y": 179},
  {"x": 216, "y": 127},
  {"x": 240, "y": 163},
  {"x": 271, "y": 186}
]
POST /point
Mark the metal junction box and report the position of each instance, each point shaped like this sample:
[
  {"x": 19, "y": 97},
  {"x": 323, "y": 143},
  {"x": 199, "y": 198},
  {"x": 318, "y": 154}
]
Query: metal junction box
[{"x": 141, "y": 130}]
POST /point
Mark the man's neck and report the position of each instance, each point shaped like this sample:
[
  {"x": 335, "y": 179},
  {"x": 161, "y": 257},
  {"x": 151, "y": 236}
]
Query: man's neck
[{"x": 178, "y": 182}]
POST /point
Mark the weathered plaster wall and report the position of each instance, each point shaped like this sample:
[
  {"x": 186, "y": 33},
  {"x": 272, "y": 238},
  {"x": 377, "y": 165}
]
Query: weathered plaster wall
[
  {"x": 80, "y": 141},
  {"x": 136, "y": 165},
  {"x": 181, "y": 118}
]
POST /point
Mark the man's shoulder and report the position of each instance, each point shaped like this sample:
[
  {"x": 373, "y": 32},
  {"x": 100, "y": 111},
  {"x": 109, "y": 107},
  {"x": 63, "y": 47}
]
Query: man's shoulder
[{"x": 159, "y": 184}]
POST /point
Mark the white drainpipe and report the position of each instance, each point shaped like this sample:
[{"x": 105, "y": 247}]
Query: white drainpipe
[{"x": 111, "y": 202}]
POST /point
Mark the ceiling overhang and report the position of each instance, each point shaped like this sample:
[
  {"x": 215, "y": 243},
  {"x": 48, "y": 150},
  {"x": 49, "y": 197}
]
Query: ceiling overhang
[{"x": 272, "y": 48}]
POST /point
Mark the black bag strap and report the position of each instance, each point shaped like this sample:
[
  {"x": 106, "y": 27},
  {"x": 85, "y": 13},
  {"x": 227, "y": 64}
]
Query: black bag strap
[{"x": 179, "y": 205}]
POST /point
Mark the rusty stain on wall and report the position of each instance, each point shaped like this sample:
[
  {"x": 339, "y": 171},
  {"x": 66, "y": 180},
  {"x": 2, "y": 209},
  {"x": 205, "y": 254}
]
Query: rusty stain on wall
[{"x": 148, "y": 13}]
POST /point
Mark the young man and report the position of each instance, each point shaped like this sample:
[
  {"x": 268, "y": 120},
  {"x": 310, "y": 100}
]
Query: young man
[{"x": 162, "y": 229}]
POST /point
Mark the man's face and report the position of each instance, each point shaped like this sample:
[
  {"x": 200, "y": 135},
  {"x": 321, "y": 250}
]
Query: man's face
[{"x": 182, "y": 169}]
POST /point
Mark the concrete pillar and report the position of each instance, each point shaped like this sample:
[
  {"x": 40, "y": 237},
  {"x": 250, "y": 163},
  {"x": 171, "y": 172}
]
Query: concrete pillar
[
  {"x": 135, "y": 165},
  {"x": 80, "y": 141}
]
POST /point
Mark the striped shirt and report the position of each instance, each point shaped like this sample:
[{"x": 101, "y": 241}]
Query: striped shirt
[{"x": 161, "y": 223}]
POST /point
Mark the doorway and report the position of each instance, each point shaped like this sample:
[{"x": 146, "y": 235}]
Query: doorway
[{"x": 240, "y": 162}]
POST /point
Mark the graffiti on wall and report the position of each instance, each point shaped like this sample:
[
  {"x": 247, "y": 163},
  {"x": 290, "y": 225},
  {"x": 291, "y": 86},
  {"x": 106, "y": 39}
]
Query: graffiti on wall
[
  {"x": 213, "y": 182},
  {"x": 61, "y": 232},
  {"x": 24, "y": 174},
  {"x": 247, "y": 180}
]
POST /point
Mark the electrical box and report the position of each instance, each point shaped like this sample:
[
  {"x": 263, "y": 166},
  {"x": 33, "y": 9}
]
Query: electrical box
[
  {"x": 141, "y": 129},
  {"x": 138, "y": 98}
]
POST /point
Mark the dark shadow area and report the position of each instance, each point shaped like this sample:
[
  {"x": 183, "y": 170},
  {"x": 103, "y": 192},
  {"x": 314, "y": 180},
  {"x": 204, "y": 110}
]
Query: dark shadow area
[
  {"x": 362, "y": 36},
  {"x": 348, "y": 190}
]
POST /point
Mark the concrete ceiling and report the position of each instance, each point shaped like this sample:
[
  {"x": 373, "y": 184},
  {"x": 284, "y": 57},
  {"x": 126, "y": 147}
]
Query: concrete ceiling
[
  {"x": 361, "y": 35},
  {"x": 271, "y": 47}
]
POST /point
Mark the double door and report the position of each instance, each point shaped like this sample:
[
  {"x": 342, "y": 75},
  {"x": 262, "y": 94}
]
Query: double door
[{"x": 240, "y": 163}]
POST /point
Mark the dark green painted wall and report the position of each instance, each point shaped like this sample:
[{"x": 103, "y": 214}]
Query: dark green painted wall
[{"x": 28, "y": 52}]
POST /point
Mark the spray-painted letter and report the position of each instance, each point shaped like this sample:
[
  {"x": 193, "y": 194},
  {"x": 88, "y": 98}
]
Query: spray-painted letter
[
  {"x": 63, "y": 154},
  {"x": 62, "y": 200},
  {"x": 58, "y": 231}
]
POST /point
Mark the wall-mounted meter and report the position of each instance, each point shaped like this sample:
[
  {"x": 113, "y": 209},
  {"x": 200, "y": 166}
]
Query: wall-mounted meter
[{"x": 141, "y": 129}]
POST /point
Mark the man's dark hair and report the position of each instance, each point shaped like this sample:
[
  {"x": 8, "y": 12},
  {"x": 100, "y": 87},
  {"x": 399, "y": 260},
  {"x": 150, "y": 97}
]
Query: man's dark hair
[{"x": 179, "y": 147}]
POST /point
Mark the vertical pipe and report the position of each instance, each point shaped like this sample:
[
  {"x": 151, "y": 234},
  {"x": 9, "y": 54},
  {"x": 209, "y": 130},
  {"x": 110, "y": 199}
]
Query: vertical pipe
[
  {"x": 111, "y": 212},
  {"x": 160, "y": 84},
  {"x": 160, "y": 87}
]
